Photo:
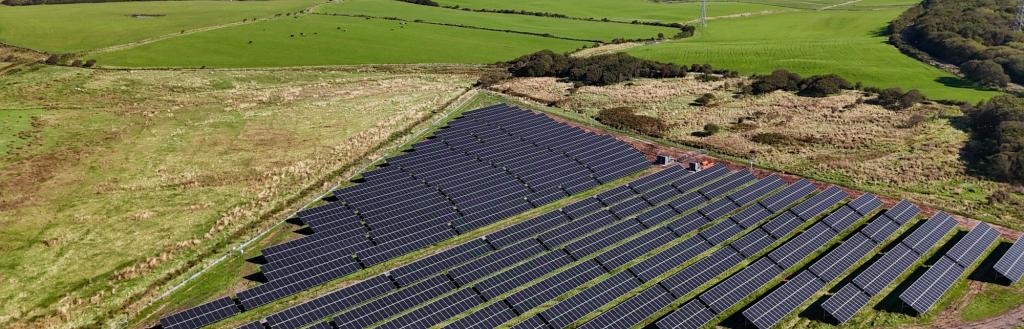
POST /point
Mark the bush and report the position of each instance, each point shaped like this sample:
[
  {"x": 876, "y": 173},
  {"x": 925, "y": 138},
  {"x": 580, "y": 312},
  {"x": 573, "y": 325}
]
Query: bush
[
  {"x": 985, "y": 72},
  {"x": 89, "y": 63},
  {"x": 823, "y": 85},
  {"x": 711, "y": 129},
  {"x": 895, "y": 99},
  {"x": 705, "y": 100},
  {"x": 624, "y": 118},
  {"x": 814, "y": 86},
  {"x": 491, "y": 78},
  {"x": 597, "y": 70},
  {"x": 777, "y": 80}
]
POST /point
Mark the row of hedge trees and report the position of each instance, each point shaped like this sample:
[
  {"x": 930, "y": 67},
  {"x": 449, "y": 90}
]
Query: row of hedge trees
[
  {"x": 975, "y": 35},
  {"x": 997, "y": 128},
  {"x": 598, "y": 70}
]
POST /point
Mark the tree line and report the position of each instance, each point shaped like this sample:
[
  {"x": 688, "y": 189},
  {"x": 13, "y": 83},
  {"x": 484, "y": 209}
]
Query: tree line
[
  {"x": 599, "y": 70},
  {"x": 997, "y": 129},
  {"x": 975, "y": 35}
]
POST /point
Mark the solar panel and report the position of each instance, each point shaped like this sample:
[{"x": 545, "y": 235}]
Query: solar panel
[
  {"x": 252, "y": 325},
  {"x": 842, "y": 258},
  {"x": 277, "y": 289},
  {"x": 729, "y": 183},
  {"x": 657, "y": 215},
  {"x": 720, "y": 232},
  {"x": 394, "y": 303},
  {"x": 737, "y": 287},
  {"x": 802, "y": 245},
  {"x": 615, "y": 195},
  {"x": 1011, "y": 265},
  {"x": 568, "y": 311},
  {"x": 929, "y": 288},
  {"x": 702, "y": 271},
  {"x": 902, "y": 212},
  {"x": 819, "y": 203},
  {"x": 884, "y": 272},
  {"x": 443, "y": 260},
  {"x": 533, "y": 322},
  {"x": 554, "y": 286},
  {"x": 880, "y": 229},
  {"x": 753, "y": 242},
  {"x": 966, "y": 251},
  {"x": 666, "y": 176},
  {"x": 629, "y": 207},
  {"x": 437, "y": 311},
  {"x": 718, "y": 209},
  {"x": 929, "y": 233},
  {"x": 321, "y": 325},
  {"x": 782, "y": 225},
  {"x": 531, "y": 227},
  {"x": 660, "y": 194},
  {"x": 554, "y": 238},
  {"x": 495, "y": 261},
  {"x": 488, "y": 317},
  {"x": 633, "y": 310},
  {"x": 845, "y": 303},
  {"x": 779, "y": 201},
  {"x": 582, "y": 208},
  {"x": 686, "y": 224},
  {"x": 687, "y": 202},
  {"x": 751, "y": 216},
  {"x": 700, "y": 178},
  {"x": 336, "y": 301},
  {"x": 693, "y": 314},
  {"x": 201, "y": 315},
  {"x": 676, "y": 255},
  {"x": 757, "y": 190},
  {"x": 635, "y": 248},
  {"x": 522, "y": 274},
  {"x": 767, "y": 312},
  {"x": 603, "y": 238}
]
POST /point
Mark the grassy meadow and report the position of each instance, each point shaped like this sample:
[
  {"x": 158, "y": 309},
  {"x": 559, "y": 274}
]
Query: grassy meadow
[
  {"x": 576, "y": 29},
  {"x": 332, "y": 40},
  {"x": 87, "y": 26},
  {"x": 620, "y": 10},
  {"x": 849, "y": 43},
  {"x": 126, "y": 180}
]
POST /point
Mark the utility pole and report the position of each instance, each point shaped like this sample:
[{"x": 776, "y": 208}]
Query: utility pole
[
  {"x": 1018, "y": 25},
  {"x": 704, "y": 13}
]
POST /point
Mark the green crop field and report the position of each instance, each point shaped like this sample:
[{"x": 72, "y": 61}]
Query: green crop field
[
  {"x": 622, "y": 10},
  {"x": 79, "y": 27},
  {"x": 332, "y": 40},
  {"x": 576, "y": 29},
  {"x": 848, "y": 43}
]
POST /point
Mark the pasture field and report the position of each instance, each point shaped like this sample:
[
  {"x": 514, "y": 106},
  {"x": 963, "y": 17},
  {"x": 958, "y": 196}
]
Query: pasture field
[
  {"x": 332, "y": 40},
  {"x": 131, "y": 179},
  {"x": 80, "y": 27},
  {"x": 620, "y": 10},
  {"x": 576, "y": 29},
  {"x": 849, "y": 43}
]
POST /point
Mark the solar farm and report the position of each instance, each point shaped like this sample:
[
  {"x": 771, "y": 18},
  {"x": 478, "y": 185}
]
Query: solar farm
[{"x": 674, "y": 247}]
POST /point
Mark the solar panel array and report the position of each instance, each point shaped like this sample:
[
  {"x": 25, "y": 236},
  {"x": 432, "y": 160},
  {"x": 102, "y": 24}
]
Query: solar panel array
[
  {"x": 1011, "y": 265},
  {"x": 728, "y": 293},
  {"x": 930, "y": 287},
  {"x": 201, "y": 315},
  {"x": 767, "y": 312},
  {"x": 853, "y": 296}
]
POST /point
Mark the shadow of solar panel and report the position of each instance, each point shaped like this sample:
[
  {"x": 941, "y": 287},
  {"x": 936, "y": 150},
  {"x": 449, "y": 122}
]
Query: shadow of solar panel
[
  {"x": 521, "y": 274},
  {"x": 394, "y": 303},
  {"x": 720, "y": 232},
  {"x": 702, "y": 271},
  {"x": 732, "y": 290},
  {"x": 277, "y": 289},
  {"x": 488, "y": 317},
  {"x": 527, "y": 228},
  {"x": 568, "y": 311},
  {"x": 843, "y": 305},
  {"x": 603, "y": 238},
  {"x": 554, "y": 286},
  {"x": 1011, "y": 265},
  {"x": 966, "y": 251},
  {"x": 633, "y": 310},
  {"x": 819, "y": 203},
  {"x": 437, "y": 311},
  {"x": 554, "y": 238},
  {"x": 657, "y": 215},
  {"x": 668, "y": 259},
  {"x": 884, "y": 272},
  {"x": 802, "y": 245},
  {"x": 779, "y": 201},
  {"x": 842, "y": 258},
  {"x": 443, "y": 260},
  {"x": 502, "y": 258},
  {"x": 757, "y": 190},
  {"x": 336, "y": 301},
  {"x": 929, "y": 288},
  {"x": 752, "y": 243},
  {"x": 767, "y": 312},
  {"x": 201, "y": 315},
  {"x": 533, "y": 322},
  {"x": 693, "y": 315},
  {"x": 635, "y": 248},
  {"x": 902, "y": 212},
  {"x": 929, "y": 233}
]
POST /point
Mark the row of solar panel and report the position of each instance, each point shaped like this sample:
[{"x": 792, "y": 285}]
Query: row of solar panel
[{"x": 924, "y": 292}]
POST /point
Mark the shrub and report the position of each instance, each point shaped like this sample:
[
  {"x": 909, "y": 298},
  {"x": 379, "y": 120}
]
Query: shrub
[
  {"x": 985, "y": 72},
  {"x": 777, "y": 80},
  {"x": 76, "y": 63},
  {"x": 624, "y": 118},
  {"x": 89, "y": 63},
  {"x": 711, "y": 129},
  {"x": 704, "y": 100},
  {"x": 491, "y": 78},
  {"x": 823, "y": 85},
  {"x": 431, "y": 3},
  {"x": 895, "y": 99}
]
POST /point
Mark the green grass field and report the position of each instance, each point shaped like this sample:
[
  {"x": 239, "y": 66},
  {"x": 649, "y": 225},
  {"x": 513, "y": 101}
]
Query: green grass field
[
  {"x": 848, "y": 43},
  {"x": 332, "y": 40},
  {"x": 621, "y": 10},
  {"x": 576, "y": 29},
  {"x": 79, "y": 27}
]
